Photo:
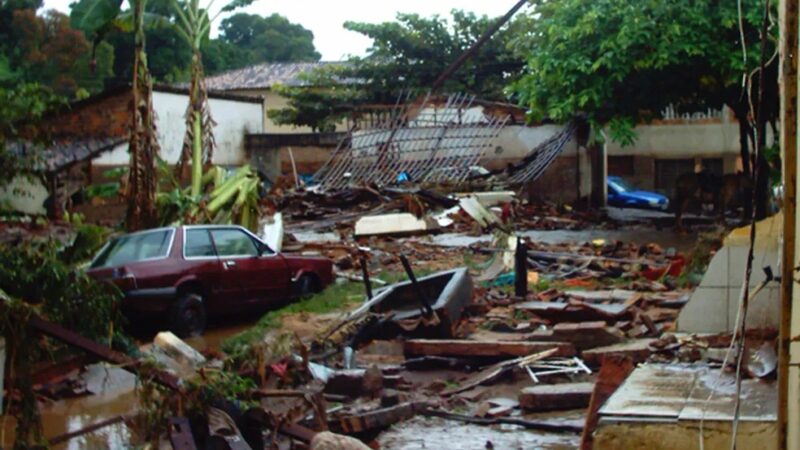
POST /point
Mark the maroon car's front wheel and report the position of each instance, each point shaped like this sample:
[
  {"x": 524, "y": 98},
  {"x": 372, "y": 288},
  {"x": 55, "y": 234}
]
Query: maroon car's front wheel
[{"x": 188, "y": 316}]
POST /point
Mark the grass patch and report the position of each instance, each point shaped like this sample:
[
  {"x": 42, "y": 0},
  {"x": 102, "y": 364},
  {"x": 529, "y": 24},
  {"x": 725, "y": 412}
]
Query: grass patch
[{"x": 335, "y": 297}]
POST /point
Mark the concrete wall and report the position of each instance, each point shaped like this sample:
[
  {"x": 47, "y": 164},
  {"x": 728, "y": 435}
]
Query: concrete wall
[
  {"x": 684, "y": 436},
  {"x": 273, "y": 100},
  {"x": 234, "y": 119},
  {"x": 713, "y": 306},
  {"x": 24, "y": 194}
]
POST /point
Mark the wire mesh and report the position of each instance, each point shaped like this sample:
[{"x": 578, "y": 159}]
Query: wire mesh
[{"x": 421, "y": 140}]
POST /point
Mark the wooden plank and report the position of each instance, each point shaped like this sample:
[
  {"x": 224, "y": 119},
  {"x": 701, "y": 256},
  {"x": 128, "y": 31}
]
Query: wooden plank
[
  {"x": 100, "y": 351},
  {"x": 789, "y": 24},
  {"x": 378, "y": 418},
  {"x": 453, "y": 347},
  {"x": 494, "y": 371},
  {"x": 613, "y": 372},
  {"x": 556, "y": 397},
  {"x": 180, "y": 434}
]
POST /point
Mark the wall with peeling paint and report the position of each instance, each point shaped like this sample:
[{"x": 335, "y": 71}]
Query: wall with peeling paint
[{"x": 234, "y": 119}]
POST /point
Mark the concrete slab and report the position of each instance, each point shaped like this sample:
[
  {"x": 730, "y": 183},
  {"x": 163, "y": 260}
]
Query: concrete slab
[
  {"x": 393, "y": 224},
  {"x": 655, "y": 391},
  {"x": 654, "y": 410}
]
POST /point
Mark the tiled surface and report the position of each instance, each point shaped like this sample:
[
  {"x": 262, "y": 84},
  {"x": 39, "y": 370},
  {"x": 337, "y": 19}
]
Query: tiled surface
[{"x": 714, "y": 304}]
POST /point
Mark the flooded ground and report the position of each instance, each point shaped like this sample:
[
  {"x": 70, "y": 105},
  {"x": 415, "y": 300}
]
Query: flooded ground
[
  {"x": 114, "y": 396},
  {"x": 434, "y": 433}
]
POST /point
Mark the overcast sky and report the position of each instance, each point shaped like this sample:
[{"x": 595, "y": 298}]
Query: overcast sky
[{"x": 325, "y": 18}]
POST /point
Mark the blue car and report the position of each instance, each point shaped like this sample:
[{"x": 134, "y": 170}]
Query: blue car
[{"x": 621, "y": 194}]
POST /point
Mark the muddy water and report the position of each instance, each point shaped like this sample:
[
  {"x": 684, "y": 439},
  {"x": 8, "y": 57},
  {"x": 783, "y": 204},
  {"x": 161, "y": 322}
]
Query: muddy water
[
  {"x": 434, "y": 433},
  {"x": 213, "y": 337},
  {"x": 114, "y": 396}
]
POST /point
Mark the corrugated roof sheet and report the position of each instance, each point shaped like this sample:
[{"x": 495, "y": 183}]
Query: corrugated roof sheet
[
  {"x": 262, "y": 76},
  {"x": 60, "y": 155}
]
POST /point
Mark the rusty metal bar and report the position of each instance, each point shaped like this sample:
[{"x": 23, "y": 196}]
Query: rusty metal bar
[{"x": 86, "y": 430}]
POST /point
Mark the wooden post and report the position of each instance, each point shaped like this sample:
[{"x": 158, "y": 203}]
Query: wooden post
[
  {"x": 521, "y": 269},
  {"x": 788, "y": 18}
]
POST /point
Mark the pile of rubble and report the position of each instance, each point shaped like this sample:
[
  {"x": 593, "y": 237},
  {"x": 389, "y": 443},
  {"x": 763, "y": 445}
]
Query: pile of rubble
[{"x": 504, "y": 331}]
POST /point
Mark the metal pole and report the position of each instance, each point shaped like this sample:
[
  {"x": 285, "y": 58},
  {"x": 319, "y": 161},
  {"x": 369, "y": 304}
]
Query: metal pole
[
  {"x": 365, "y": 273},
  {"x": 521, "y": 269},
  {"x": 455, "y": 65},
  {"x": 426, "y": 305},
  {"x": 788, "y": 17}
]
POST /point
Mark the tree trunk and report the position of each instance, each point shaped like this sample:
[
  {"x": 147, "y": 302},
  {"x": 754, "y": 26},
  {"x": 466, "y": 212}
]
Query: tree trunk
[
  {"x": 198, "y": 143},
  {"x": 762, "y": 177},
  {"x": 143, "y": 145},
  {"x": 744, "y": 137}
]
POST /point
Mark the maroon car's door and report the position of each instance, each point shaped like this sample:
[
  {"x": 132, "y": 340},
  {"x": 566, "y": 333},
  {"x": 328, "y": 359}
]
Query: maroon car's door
[
  {"x": 262, "y": 277},
  {"x": 201, "y": 258}
]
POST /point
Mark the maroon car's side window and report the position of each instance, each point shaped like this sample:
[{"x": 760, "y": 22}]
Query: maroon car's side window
[
  {"x": 198, "y": 244},
  {"x": 233, "y": 242}
]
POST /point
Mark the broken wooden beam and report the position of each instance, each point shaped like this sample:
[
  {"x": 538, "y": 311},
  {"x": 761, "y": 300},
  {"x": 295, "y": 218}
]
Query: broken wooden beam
[
  {"x": 556, "y": 397},
  {"x": 614, "y": 370},
  {"x": 97, "y": 350},
  {"x": 496, "y": 370},
  {"x": 377, "y": 418},
  {"x": 493, "y": 348},
  {"x": 180, "y": 434}
]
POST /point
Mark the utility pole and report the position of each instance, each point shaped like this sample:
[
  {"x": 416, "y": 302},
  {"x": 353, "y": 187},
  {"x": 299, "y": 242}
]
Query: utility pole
[{"x": 788, "y": 411}]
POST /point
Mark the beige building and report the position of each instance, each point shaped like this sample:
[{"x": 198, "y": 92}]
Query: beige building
[{"x": 258, "y": 81}]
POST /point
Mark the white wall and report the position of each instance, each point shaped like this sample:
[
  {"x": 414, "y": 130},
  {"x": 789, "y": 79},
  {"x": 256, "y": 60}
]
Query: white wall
[
  {"x": 24, "y": 194},
  {"x": 234, "y": 119},
  {"x": 682, "y": 141}
]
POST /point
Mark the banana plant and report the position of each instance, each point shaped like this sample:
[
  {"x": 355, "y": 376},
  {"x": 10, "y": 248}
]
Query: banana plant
[
  {"x": 96, "y": 18},
  {"x": 193, "y": 25}
]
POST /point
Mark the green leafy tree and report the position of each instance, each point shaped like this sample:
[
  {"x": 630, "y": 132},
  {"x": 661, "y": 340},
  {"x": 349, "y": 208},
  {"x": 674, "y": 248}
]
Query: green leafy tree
[
  {"x": 45, "y": 49},
  {"x": 413, "y": 51},
  {"x": 409, "y": 53},
  {"x": 321, "y": 102},
  {"x": 168, "y": 58},
  {"x": 268, "y": 39},
  {"x": 620, "y": 62}
]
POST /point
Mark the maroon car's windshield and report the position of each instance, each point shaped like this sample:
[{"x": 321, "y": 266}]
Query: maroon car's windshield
[{"x": 134, "y": 247}]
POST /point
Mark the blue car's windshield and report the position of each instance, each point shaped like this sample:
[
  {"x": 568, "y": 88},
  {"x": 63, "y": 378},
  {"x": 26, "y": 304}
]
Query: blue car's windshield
[{"x": 620, "y": 185}]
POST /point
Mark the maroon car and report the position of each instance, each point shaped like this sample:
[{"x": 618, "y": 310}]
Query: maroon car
[{"x": 186, "y": 273}]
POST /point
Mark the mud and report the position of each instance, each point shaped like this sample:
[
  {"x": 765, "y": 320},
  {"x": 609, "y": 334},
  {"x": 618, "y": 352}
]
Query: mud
[{"x": 435, "y": 433}]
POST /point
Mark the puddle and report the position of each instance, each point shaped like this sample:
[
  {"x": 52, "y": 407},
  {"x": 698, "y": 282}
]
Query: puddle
[
  {"x": 213, "y": 337},
  {"x": 115, "y": 396},
  {"x": 435, "y": 433}
]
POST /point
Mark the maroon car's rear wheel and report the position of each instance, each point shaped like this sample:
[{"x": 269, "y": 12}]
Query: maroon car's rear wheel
[
  {"x": 307, "y": 285},
  {"x": 188, "y": 316}
]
